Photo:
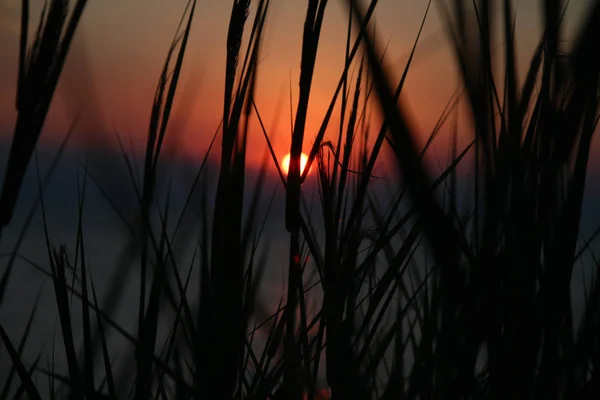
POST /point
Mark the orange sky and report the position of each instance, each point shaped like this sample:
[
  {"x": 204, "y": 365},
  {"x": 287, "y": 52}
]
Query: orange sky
[{"x": 124, "y": 44}]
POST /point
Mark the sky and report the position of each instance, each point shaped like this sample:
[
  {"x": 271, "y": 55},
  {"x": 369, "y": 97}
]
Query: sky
[{"x": 119, "y": 51}]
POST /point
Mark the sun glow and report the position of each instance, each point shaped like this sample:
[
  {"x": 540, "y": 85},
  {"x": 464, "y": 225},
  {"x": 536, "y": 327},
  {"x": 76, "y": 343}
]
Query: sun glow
[{"x": 285, "y": 163}]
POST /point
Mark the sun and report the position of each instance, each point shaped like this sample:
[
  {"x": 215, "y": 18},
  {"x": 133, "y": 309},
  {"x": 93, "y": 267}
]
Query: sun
[{"x": 285, "y": 163}]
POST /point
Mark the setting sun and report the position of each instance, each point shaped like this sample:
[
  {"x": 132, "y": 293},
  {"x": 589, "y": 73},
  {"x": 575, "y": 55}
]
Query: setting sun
[{"x": 285, "y": 163}]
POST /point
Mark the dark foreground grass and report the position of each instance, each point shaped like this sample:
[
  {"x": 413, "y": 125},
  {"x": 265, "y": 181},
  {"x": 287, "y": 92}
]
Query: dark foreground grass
[{"x": 421, "y": 295}]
